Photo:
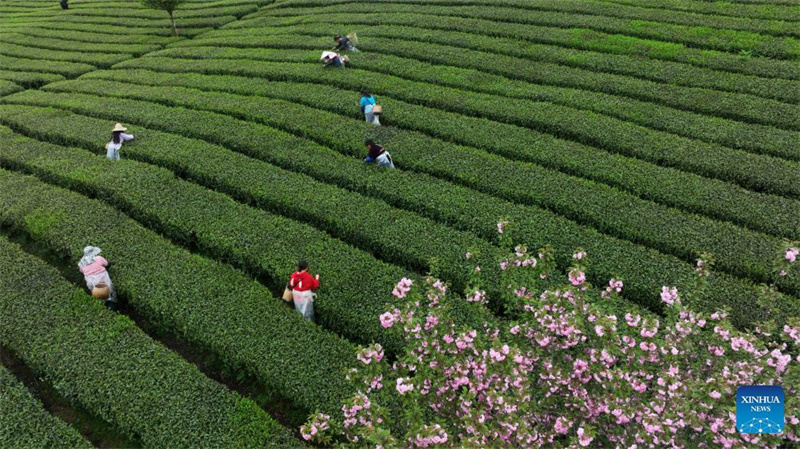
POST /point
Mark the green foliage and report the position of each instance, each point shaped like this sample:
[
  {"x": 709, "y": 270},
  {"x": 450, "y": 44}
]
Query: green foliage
[
  {"x": 208, "y": 304},
  {"x": 765, "y": 213},
  {"x": 104, "y": 363},
  {"x": 77, "y": 49},
  {"x": 165, "y": 5},
  {"x": 410, "y": 34},
  {"x": 644, "y": 270},
  {"x": 96, "y": 59},
  {"x": 741, "y": 252},
  {"x": 702, "y": 36},
  {"x": 68, "y": 69},
  {"x": 29, "y": 80},
  {"x": 25, "y": 423},
  {"x": 263, "y": 245},
  {"x": 7, "y": 87}
]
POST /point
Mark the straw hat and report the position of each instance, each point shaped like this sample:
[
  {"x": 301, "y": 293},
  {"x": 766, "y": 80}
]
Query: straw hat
[
  {"x": 119, "y": 127},
  {"x": 328, "y": 54}
]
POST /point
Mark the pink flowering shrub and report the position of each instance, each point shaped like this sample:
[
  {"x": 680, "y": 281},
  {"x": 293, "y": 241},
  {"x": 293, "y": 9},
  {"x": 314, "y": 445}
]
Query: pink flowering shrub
[{"x": 564, "y": 372}]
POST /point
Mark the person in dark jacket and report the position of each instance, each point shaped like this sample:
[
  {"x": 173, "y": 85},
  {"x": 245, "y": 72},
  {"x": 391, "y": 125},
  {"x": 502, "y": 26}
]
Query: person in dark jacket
[
  {"x": 343, "y": 43},
  {"x": 64, "y": 4},
  {"x": 376, "y": 153}
]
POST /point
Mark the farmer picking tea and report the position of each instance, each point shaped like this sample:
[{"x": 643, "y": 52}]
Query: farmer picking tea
[
  {"x": 93, "y": 266},
  {"x": 376, "y": 154},
  {"x": 331, "y": 59},
  {"x": 303, "y": 286},
  {"x": 370, "y": 109},
  {"x": 343, "y": 43},
  {"x": 117, "y": 137}
]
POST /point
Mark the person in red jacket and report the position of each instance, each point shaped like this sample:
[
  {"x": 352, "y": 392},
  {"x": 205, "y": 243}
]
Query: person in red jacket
[{"x": 303, "y": 286}]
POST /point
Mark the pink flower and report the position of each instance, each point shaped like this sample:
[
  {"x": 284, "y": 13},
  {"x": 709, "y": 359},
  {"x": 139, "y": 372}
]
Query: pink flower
[
  {"x": 599, "y": 330},
  {"x": 500, "y": 226},
  {"x": 791, "y": 254},
  {"x": 715, "y": 394},
  {"x": 579, "y": 255},
  {"x": 577, "y": 277},
  {"x": 387, "y": 320},
  {"x": 403, "y": 287},
  {"x": 583, "y": 439},
  {"x": 670, "y": 296},
  {"x": 403, "y": 388}
]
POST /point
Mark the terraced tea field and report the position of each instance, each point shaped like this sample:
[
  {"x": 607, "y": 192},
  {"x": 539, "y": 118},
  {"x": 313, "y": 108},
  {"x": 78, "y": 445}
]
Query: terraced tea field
[{"x": 646, "y": 132}]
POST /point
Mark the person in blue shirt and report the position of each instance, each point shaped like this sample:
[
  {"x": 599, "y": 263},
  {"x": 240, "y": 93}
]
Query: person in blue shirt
[
  {"x": 376, "y": 153},
  {"x": 367, "y": 102}
]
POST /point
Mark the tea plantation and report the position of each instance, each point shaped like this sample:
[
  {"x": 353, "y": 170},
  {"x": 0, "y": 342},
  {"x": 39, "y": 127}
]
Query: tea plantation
[{"x": 646, "y": 132}]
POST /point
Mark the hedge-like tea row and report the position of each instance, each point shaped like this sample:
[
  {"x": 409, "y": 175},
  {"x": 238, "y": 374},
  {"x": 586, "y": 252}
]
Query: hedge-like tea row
[
  {"x": 123, "y": 21},
  {"x": 695, "y": 36},
  {"x": 75, "y": 47},
  {"x": 102, "y": 60},
  {"x": 207, "y": 304},
  {"x": 396, "y": 235},
  {"x": 103, "y": 362},
  {"x": 754, "y": 172},
  {"x": 24, "y": 423},
  {"x": 765, "y": 12},
  {"x": 68, "y": 69},
  {"x": 758, "y": 11},
  {"x": 7, "y": 87},
  {"x": 643, "y": 270},
  {"x": 532, "y": 8},
  {"x": 29, "y": 80},
  {"x": 748, "y": 108},
  {"x": 570, "y": 37},
  {"x": 739, "y": 251},
  {"x": 141, "y": 13},
  {"x": 668, "y": 72},
  {"x": 89, "y": 37},
  {"x": 754, "y": 138},
  {"x": 766, "y": 213},
  {"x": 101, "y": 28}
]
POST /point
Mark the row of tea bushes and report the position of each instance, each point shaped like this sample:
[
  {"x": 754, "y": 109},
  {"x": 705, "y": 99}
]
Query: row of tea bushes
[
  {"x": 207, "y": 304},
  {"x": 643, "y": 270},
  {"x": 104, "y": 363},
  {"x": 24, "y": 422}
]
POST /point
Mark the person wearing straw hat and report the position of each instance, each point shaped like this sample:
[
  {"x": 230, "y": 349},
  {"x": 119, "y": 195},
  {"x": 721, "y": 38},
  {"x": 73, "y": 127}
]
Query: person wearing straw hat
[
  {"x": 343, "y": 43},
  {"x": 331, "y": 59},
  {"x": 93, "y": 266},
  {"x": 367, "y": 105},
  {"x": 117, "y": 137},
  {"x": 303, "y": 286},
  {"x": 376, "y": 154}
]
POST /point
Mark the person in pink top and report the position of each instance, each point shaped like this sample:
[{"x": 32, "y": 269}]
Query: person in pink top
[{"x": 94, "y": 272}]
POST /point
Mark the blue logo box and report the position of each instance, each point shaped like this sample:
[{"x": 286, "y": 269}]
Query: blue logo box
[{"x": 759, "y": 409}]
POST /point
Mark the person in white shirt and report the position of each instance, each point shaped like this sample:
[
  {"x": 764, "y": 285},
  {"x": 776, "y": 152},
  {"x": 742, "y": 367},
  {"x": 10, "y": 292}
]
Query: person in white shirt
[{"x": 117, "y": 137}]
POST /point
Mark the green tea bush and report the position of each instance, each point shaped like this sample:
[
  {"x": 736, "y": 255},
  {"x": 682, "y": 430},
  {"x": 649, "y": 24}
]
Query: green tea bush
[
  {"x": 7, "y": 87},
  {"x": 668, "y": 72},
  {"x": 78, "y": 49},
  {"x": 25, "y": 423},
  {"x": 644, "y": 270},
  {"x": 766, "y": 213},
  {"x": 29, "y": 80},
  {"x": 392, "y": 71},
  {"x": 695, "y": 36},
  {"x": 78, "y": 37},
  {"x": 102, "y": 60},
  {"x": 739, "y": 251},
  {"x": 207, "y": 304},
  {"x": 68, "y": 69},
  {"x": 264, "y": 245},
  {"x": 104, "y": 363},
  {"x": 736, "y": 106}
]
